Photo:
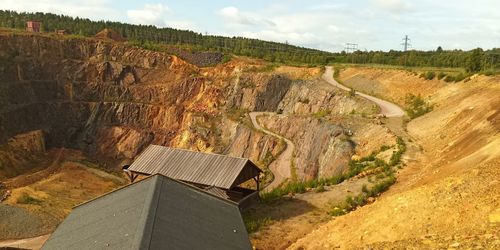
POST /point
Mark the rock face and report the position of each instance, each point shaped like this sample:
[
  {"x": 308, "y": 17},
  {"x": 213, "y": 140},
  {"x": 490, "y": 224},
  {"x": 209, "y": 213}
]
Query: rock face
[
  {"x": 322, "y": 150},
  {"x": 111, "y": 100}
]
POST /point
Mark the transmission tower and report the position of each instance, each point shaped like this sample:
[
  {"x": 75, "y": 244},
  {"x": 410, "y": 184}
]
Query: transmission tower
[
  {"x": 350, "y": 47},
  {"x": 406, "y": 43}
]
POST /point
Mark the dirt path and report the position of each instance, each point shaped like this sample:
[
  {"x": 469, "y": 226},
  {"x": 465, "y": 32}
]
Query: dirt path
[
  {"x": 387, "y": 109},
  {"x": 30, "y": 243},
  {"x": 281, "y": 166}
]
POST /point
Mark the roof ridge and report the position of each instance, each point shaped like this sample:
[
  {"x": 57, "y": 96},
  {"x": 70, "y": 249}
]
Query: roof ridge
[
  {"x": 200, "y": 152},
  {"x": 150, "y": 216},
  {"x": 195, "y": 188}
]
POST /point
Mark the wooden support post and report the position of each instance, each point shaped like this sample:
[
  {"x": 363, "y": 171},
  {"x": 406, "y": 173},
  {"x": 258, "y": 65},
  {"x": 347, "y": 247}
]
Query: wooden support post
[
  {"x": 257, "y": 181},
  {"x": 131, "y": 176}
]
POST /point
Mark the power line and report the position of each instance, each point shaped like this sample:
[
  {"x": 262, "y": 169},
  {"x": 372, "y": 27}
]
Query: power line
[
  {"x": 350, "y": 47},
  {"x": 406, "y": 43}
]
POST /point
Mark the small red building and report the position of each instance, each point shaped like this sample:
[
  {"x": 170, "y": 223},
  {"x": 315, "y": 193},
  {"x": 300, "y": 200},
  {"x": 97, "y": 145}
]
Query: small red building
[{"x": 33, "y": 26}]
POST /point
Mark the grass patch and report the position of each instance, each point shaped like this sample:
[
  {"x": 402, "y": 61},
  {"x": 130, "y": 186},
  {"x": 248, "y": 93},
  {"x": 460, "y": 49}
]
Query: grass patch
[
  {"x": 27, "y": 199},
  {"x": 429, "y": 75},
  {"x": 355, "y": 168},
  {"x": 320, "y": 189},
  {"x": 351, "y": 203},
  {"x": 236, "y": 114},
  {"x": 254, "y": 224},
  {"x": 268, "y": 67},
  {"x": 321, "y": 114}
]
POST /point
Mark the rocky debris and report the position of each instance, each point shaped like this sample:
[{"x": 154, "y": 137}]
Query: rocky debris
[
  {"x": 109, "y": 34},
  {"x": 13, "y": 217},
  {"x": 316, "y": 96},
  {"x": 258, "y": 92},
  {"x": 200, "y": 59}
]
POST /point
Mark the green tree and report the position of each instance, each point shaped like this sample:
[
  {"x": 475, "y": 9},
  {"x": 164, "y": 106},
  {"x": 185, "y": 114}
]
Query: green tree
[{"x": 473, "y": 63}]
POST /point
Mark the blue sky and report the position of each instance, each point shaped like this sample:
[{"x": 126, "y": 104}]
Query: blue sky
[{"x": 322, "y": 24}]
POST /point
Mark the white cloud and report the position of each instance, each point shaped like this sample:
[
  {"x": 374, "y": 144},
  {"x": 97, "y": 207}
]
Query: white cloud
[
  {"x": 152, "y": 14},
  {"x": 396, "y": 6},
  {"x": 235, "y": 17},
  {"x": 93, "y": 9},
  {"x": 159, "y": 15}
]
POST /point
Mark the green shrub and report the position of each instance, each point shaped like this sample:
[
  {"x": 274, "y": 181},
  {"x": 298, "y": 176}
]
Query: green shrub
[
  {"x": 460, "y": 77},
  {"x": 352, "y": 92},
  {"x": 27, "y": 199},
  {"x": 336, "y": 211},
  {"x": 253, "y": 225},
  {"x": 364, "y": 189},
  {"x": 416, "y": 106},
  {"x": 441, "y": 75},
  {"x": 336, "y": 72},
  {"x": 321, "y": 113},
  {"x": 429, "y": 75},
  {"x": 449, "y": 78},
  {"x": 320, "y": 189},
  {"x": 226, "y": 58}
]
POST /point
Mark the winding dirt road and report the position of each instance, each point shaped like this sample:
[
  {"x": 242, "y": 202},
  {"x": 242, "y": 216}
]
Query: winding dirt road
[
  {"x": 387, "y": 109},
  {"x": 282, "y": 165}
]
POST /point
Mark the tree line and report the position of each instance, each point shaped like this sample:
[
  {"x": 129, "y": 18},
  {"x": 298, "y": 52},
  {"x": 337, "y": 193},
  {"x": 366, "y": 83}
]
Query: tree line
[{"x": 149, "y": 36}]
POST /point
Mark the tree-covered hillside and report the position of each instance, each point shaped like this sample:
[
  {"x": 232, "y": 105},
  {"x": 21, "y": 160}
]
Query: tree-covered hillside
[
  {"x": 149, "y": 36},
  {"x": 272, "y": 51}
]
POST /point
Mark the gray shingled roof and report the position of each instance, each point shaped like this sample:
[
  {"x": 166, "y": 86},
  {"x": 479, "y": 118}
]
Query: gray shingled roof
[
  {"x": 154, "y": 213},
  {"x": 195, "y": 167}
]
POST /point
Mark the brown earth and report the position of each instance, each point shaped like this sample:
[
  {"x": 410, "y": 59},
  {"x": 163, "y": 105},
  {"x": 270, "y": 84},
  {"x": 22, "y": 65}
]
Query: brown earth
[
  {"x": 392, "y": 85},
  {"x": 445, "y": 197},
  {"x": 36, "y": 206}
]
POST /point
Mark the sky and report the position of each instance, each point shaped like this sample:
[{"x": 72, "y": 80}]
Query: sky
[{"x": 321, "y": 24}]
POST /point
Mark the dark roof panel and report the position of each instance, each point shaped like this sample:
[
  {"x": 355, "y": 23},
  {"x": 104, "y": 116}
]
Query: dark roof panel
[{"x": 154, "y": 213}]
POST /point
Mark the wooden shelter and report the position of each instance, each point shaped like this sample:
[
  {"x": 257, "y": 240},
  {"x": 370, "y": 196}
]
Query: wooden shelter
[{"x": 221, "y": 175}]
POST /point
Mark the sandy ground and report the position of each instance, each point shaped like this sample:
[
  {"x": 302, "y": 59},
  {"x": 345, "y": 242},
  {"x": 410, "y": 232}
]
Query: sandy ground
[
  {"x": 53, "y": 195},
  {"x": 447, "y": 197},
  {"x": 293, "y": 217},
  {"x": 29, "y": 243},
  {"x": 392, "y": 85},
  {"x": 387, "y": 109}
]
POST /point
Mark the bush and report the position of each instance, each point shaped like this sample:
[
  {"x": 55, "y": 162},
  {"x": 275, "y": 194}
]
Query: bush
[
  {"x": 449, "y": 79},
  {"x": 321, "y": 113},
  {"x": 253, "y": 225},
  {"x": 336, "y": 72},
  {"x": 364, "y": 189},
  {"x": 320, "y": 189},
  {"x": 416, "y": 106},
  {"x": 384, "y": 148},
  {"x": 460, "y": 77},
  {"x": 27, "y": 199},
  {"x": 352, "y": 92},
  {"x": 351, "y": 203},
  {"x": 441, "y": 75},
  {"x": 429, "y": 75}
]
